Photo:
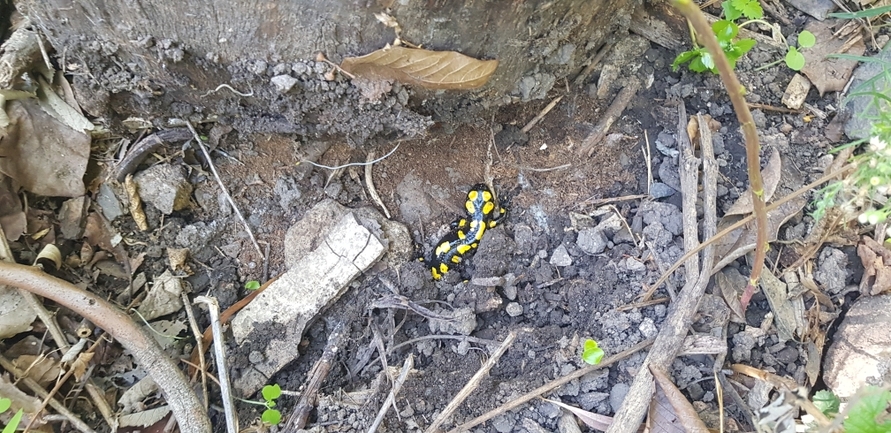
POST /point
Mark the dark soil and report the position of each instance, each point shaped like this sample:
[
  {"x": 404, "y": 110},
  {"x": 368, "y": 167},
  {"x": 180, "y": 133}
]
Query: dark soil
[{"x": 555, "y": 198}]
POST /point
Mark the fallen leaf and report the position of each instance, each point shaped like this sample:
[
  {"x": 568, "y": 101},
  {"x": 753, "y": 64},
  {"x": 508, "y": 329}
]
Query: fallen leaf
[
  {"x": 670, "y": 411},
  {"x": 788, "y": 311},
  {"x": 43, "y": 155},
  {"x": 163, "y": 297},
  {"x": 593, "y": 420},
  {"x": 742, "y": 240},
  {"x": 81, "y": 364},
  {"x": 770, "y": 178},
  {"x": 12, "y": 217},
  {"x": 829, "y": 74},
  {"x": 446, "y": 70},
  {"x": 55, "y": 106},
  {"x": 876, "y": 261},
  {"x": 40, "y": 368}
]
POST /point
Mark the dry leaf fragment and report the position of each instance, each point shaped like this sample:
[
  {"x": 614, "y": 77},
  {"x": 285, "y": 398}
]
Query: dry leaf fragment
[
  {"x": 876, "y": 261},
  {"x": 446, "y": 70}
]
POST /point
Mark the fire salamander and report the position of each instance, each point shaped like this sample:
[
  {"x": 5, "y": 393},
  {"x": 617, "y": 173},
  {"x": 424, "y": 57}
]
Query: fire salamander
[{"x": 466, "y": 232}]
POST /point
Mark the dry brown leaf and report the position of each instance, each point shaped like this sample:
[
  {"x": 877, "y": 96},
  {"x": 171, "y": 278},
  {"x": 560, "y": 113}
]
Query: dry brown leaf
[
  {"x": 876, "y": 261},
  {"x": 670, "y": 411},
  {"x": 446, "y": 70},
  {"x": 742, "y": 240},
  {"x": 42, "y": 154},
  {"x": 12, "y": 217},
  {"x": 770, "y": 178},
  {"x": 81, "y": 364},
  {"x": 593, "y": 420},
  {"x": 829, "y": 74},
  {"x": 40, "y": 368}
]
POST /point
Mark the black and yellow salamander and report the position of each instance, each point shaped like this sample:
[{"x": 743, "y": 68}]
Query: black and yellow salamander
[{"x": 482, "y": 213}]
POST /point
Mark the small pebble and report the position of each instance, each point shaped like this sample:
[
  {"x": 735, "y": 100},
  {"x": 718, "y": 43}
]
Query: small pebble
[{"x": 514, "y": 309}]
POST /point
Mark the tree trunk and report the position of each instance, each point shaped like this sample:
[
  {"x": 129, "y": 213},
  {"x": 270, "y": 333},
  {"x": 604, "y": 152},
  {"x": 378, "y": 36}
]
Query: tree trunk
[{"x": 158, "y": 58}]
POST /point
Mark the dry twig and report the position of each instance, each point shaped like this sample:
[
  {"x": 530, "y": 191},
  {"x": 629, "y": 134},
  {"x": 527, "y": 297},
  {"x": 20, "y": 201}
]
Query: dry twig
[
  {"x": 472, "y": 384},
  {"x": 183, "y": 402},
  {"x": 213, "y": 308},
  {"x": 316, "y": 376},
  {"x": 391, "y": 399}
]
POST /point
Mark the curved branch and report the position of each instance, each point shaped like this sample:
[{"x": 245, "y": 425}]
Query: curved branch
[{"x": 189, "y": 412}]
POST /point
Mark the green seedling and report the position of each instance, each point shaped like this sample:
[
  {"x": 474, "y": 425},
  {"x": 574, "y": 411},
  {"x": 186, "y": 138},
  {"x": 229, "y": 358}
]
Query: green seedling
[
  {"x": 700, "y": 60},
  {"x": 827, "y": 402},
  {"x": 252, "y": 285},
  {"x": 869, "y": 414},
  {"x": 13, "y": 425},
  {"x": 270, "y": 393},
  {"x": 794, "y": 59},
  {"x": 734, "y": 9},
  {"x": 592, "y": 353}
]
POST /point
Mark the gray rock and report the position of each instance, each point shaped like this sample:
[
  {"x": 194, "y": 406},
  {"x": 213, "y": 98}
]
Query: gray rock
[
  {"x": 71, "y": 217},
  {"x": 460, "y": 321},
  {"x": 592, "y": 241},
  {"x": 859, "y": 351},
  {"x": 832, "y": 270},
  {"x": 861, "y": 108},
  {"x": 617, "y": 396},
  {"x": 665, "y": 213},
  {"x": 513, "y": 309},
  {"x": 560, "y": 257},
  {"x": 283, "y": 83},
  {"x": 276, "y": 318},
  {"x": 108, "y": 201},
  {"x": 660, "y": 190},
  {"x": 589, "y": 400},
  {"x": 165, "y": 187},
  {"x": 503, "y": 423}
]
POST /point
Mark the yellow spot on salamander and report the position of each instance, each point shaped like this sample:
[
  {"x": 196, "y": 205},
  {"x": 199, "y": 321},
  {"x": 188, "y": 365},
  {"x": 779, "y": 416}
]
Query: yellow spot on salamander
[
  {"x": 461, "y": 234},
  {"x": 462, "y": 249},
  {"x": 472, "y": 195},
  {"x": 443, "y": 248},
  {"x": 488, "y": 208},
  {"x": 471, "y": 209},
  {"x": 456, "y": 259},
  {"x": 435, "y": 273},
  {"x": 487, "y": 196},
  {"x": 479, "y": 234},
  {"x": 444, "y": 268}
]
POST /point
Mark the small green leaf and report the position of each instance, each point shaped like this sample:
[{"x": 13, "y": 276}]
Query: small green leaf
[
  {"x": 794, "y": 59},
  {"x": 592, "y": 353},
  {"x": 271, "y": 392},
  {"x": 707, "y": 61},
  {"x": 252, "y": 285},
  {"x": 753, "y": 11},
  {"x": 14, "y": 422},
  {"x": 826, "y": 401},
  {"x": 744, "y": 45},
  {"x": 271, "y": 417},
  {"x": 5, "y": 404},
  {"x": 682, "y": 58},
  {"x": 806, "y": 39},
  {"x": 865, "y": 413},
  {"x": 725, "y": 30},
  {"x": 697, "y": 66},
  {"x": 730, "y": 13}
]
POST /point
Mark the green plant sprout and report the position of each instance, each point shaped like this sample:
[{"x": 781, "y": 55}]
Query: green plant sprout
[
  {"x": 270, "y": 393},
  {"x": 252, "y": 285},
  {"x": 13, "y": 425},
  {"x": 869, "y": 414},
  {"x": 827, "y": 402},
  {"x": 699, "y": 58},
  {"x": 592, "y": 353},
  {"x": 726, "y": 31}
]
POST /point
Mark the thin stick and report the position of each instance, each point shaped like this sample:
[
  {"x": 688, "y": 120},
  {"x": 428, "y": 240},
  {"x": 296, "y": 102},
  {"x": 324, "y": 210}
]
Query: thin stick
[
  {"x": 472, "y": 384},
  {"x": 199, "y": 345},
  {"x": 43, "y": 393},
  {"x": 736, "y": 92},
  {"x": 554, "y": 384},
  {"x": 216, "y": 176},
  {"x": 369, "y": 183},
  {"x": 391, "y": 399},
  {"x": 353, "y": 164},
  {"x": 541, "y": 114},
  {"x": 213, "y": 308},
  {"x": 316, "y": 376},
  {"x": 611, "y": 114},
  {"x": 648, "y": 158},
  {"x": 226, "y": 86}
]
